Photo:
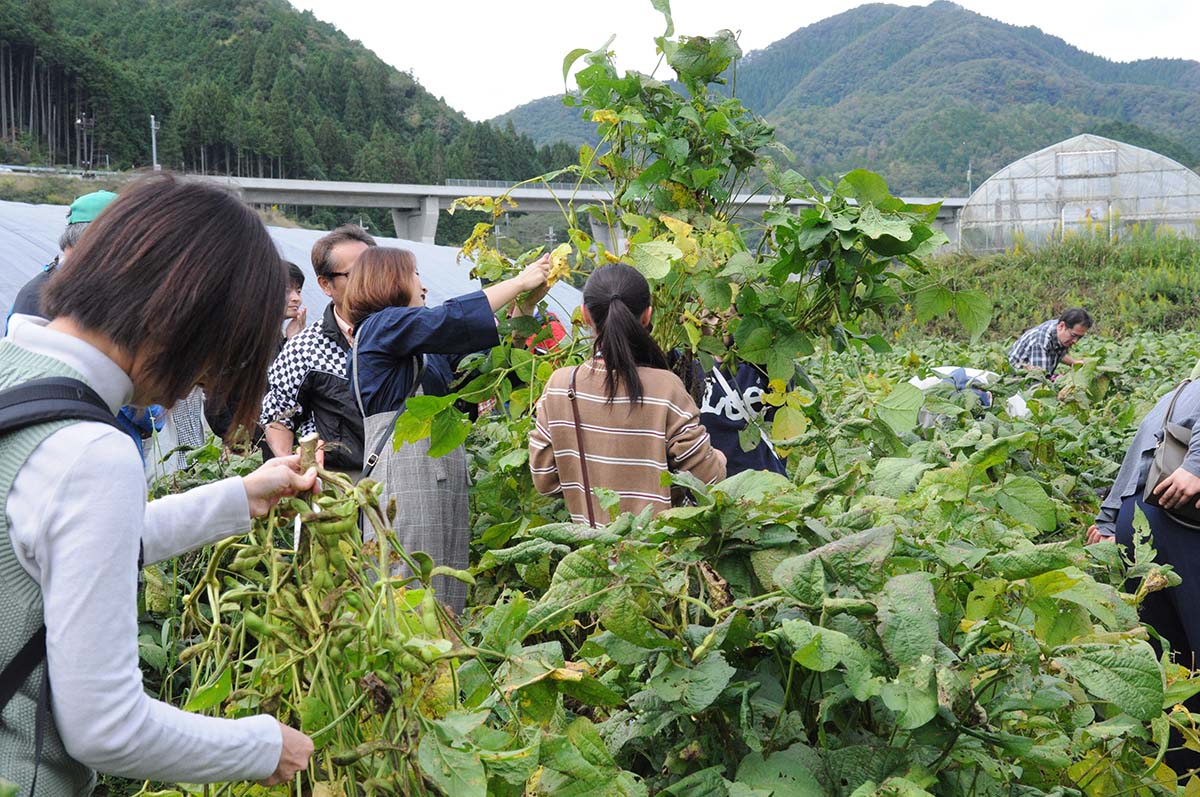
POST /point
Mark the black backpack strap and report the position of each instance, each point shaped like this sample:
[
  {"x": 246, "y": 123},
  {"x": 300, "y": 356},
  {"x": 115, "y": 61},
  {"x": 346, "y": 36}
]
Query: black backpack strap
[
  {"x": 29, "y": 404},
  {"x": 23, "y": 665},
  {"x": 51, "y": 399}
]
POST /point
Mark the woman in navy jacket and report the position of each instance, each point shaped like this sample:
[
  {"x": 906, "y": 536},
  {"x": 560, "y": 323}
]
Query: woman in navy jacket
[{"x": 402, "y": 348}]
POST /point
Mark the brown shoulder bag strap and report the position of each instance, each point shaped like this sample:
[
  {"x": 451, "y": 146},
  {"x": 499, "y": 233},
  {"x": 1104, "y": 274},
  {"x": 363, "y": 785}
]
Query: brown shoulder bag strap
[{"x": 587, "y": 484}]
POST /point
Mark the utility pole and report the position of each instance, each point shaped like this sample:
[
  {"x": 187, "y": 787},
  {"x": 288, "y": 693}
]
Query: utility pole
[
  {"x": 154, "y": 143},
  {"x": 85, "y": 126},
  {"x": 968, "y": 171}
]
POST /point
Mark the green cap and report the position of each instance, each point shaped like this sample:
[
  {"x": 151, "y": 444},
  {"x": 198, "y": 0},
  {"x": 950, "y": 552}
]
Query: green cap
[{"x": 88, "y": 206}]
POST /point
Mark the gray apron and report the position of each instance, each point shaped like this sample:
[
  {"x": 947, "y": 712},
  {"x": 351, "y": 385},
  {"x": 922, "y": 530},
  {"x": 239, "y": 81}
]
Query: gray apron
[{"x": 430, "y": 494}]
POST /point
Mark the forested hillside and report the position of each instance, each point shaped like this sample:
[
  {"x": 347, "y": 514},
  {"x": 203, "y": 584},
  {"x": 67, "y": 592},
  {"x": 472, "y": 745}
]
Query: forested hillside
[
  {"x": 919, "y": 93},
  {"x": 248, "y": 87}
]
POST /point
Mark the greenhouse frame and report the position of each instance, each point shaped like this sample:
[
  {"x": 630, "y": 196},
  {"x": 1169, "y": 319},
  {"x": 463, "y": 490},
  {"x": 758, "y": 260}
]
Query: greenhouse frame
[{"x": 1086, "y": 183}]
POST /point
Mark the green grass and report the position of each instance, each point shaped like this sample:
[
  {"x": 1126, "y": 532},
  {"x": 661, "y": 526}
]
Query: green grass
[{"x": 1146, "y": 281}]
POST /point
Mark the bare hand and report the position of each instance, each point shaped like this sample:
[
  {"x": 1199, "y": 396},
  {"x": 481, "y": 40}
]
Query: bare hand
[
  {"x": 1177, "y": 489},
  {"x": 277, "y": 478},
  {"x": 1093, "y": 534},
  {"x": 293, "y": 756},
  {"x": 296, "y": 325},
  {"x": 535, "y": 274}
]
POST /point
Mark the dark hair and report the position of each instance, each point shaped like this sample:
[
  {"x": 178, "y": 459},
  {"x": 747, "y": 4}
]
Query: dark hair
[
  {"x": 153, "y": 274},
  {"x": 616, "y": 295},
  {"x": 1076, "y": 316},
  {"x": 295, "y": 275},
  {"x": 382, "y": 277},
  {"x": 321, "y": 250}
]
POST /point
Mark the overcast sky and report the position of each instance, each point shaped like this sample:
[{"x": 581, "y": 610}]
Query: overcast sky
[{"x": 485, "y": 57}]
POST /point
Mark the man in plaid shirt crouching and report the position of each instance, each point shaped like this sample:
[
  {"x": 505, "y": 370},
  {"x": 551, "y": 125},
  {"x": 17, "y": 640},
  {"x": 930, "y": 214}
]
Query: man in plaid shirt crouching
[{"x": 1046, "y": 345}]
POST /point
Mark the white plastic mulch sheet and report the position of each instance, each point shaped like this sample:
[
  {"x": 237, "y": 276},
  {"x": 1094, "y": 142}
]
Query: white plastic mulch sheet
[{"x": 29, "y": 238}]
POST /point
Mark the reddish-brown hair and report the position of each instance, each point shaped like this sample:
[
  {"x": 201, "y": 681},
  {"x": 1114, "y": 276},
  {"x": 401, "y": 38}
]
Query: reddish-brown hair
[
  {"x": 321, "y": 262},
  {"x": 184, "y": 277},
  {"x": 382, "y": 277}
]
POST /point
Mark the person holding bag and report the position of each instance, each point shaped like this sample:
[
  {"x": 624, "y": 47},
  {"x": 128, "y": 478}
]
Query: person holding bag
[
  {"x": 623, "y": 419},
  {"x": 1160, "y": 476},
  {"x": 402, "y": 348},
  {"x": 140, "y": 314}
]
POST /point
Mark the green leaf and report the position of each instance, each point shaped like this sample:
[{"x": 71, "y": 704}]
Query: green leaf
[
  {"x": 314, "y": 715},
  {"x": 802, "y": 577},
  {"x": 1128, "y": 676},
  {"x": 1024, "y": 499},
  {"x": 982, "y": 599},
  {"x": 213, "y": 694},
  {"x": 789, "y": 772},
  {"x": 621, "y": 614},
  {"x": 676, "y": 150},
  {"x": 448, "y": 431},
  {"x": 864, "y": 186},
  {"x": 900, "y": 408},
  {"x": 932, "y": 301},
  {"x": 742, "y": 267},
  {"x": 454, "y": 771},
  {"x": 591, "y": 692},
  {"x": 908, "y": 619},
  {"x": 700, "y": 58},
  {"x": 715, "y": 293},
  {"x": 664, "y": 8},
  {"x": 458, "y": 725},
  {"x": 781, "y": 363},
  {"x": 705, "y": 783},
  {"x": 857, "y": 558},
  {"x": 895, "y": 476},
  {"x": 648, "y": 179},
  {"x": 821, "y": 649},
  {"x": 577, "y": 586},
  {"x": 692, "y": 689},
  {"x": 1033, "y": 560},
  {"x": 523, "y": 552},
  {"x": 653, "y": 258},
  {"x": 512, "y": 766},
  {"x": 913, "y": 695},
  {"x": 974, "y": 311},
  {"x": 571, "y": 58},
  {"x": 875, "y": 225}
]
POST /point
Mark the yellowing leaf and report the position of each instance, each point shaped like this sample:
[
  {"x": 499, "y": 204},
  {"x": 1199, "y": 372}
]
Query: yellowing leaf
[
  {"x": 681, "y": 228},
  {"x": 605, "y": 116},
  {"x": 559, "y": 265},
  {"x": 789, "y": 424}
]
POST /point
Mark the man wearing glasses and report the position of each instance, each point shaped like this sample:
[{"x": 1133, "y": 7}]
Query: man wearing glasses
[
  {"x": 308, "y": 389},
  {"x": 1046, "y": 345}
]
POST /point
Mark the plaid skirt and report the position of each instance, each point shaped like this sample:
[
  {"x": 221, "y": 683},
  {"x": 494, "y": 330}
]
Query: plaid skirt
[{"x": 432, "y": 511}]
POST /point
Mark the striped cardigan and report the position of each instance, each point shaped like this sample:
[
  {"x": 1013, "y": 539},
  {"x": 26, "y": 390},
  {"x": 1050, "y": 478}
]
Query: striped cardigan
[{"x": 628, "y": 447}]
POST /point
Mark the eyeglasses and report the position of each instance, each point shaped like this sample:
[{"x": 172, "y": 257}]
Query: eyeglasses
[
  {"x": 332, "y": 275},
  {"x": 1075, "y": 336}
]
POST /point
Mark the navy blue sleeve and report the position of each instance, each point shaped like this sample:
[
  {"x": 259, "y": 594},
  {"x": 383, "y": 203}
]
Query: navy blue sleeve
[{"x": 459, "y": 326}]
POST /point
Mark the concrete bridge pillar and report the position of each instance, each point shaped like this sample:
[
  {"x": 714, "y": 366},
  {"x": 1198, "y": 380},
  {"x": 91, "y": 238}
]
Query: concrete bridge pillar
[
  {"x": 418, "y": 224},
  {"x": 600, "y": 234}
]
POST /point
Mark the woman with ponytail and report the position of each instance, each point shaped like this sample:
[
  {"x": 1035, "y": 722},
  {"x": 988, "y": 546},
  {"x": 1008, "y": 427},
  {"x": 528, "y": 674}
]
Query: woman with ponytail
[{"x": 622, "y": 419}]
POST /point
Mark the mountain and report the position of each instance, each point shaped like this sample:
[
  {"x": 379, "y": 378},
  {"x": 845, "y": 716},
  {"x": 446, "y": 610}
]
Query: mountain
[
  {"x": 249, "y": 87},
  {"x": 918, "y": 93}
]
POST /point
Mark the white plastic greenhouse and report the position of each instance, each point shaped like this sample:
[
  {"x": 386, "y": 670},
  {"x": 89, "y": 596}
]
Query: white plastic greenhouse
[{"x": 1084, "y": 182}]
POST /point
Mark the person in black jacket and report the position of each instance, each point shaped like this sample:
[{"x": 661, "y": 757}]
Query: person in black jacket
[{"x": 308, "y": 389}]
